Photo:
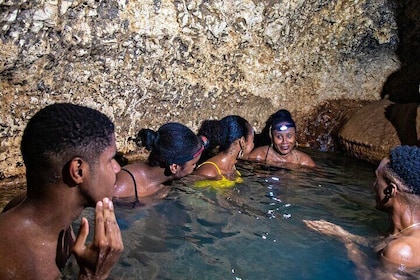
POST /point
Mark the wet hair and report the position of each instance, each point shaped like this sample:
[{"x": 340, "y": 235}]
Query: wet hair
[
  {"x": 59, "y": 132},
  {"x": 281, "y": 116},
  {"x": 222, "y": 133},
  {"x": 405, "y": 162},
  {"x": 171, "y": 143}
]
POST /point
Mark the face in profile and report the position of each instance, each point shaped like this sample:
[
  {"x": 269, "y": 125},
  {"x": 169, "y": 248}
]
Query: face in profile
[
  {"x": 249, "y": 141},
  {"x": 284, "y": 140},
  {"x": 188, "y": 167},
  {"x": 380, "y": 185},
  {"x": 103, "y": 176}
]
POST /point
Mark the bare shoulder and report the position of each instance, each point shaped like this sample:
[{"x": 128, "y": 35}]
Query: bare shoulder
[
  {"x": 15, "y": 256},
  {"x": 258, "y": 153},
  {"x": 404, "y": 250},
  {"x": 25, "y": 250},
  {"x": 207, "y": 170},
  {"x": 124, "y": 181},
  {"x": 305, "y": 159}
]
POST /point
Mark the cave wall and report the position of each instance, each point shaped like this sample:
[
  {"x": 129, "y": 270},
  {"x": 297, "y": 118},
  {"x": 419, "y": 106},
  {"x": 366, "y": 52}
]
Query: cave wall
[{"x": 144, "y": 63}]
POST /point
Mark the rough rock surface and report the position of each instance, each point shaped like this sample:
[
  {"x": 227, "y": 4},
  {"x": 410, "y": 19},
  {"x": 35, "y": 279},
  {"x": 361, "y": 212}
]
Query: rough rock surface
[
  {"x": 378, "y": 127},
  {"x": 144, "y": 63}
]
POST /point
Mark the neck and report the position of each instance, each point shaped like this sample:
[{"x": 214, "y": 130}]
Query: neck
[
  {"x": 229, "y": 159},
  {"x": 403, "y": 217},
  {"x": 50, "y": 212},
  {"x": 284, "y": 156},
  {"x": 409, "y": 227},
  {"x": 157, "y": 176}
]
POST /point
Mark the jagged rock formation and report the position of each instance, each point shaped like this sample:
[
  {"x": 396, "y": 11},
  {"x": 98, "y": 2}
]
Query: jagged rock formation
[{"x": 148, "y": 62}]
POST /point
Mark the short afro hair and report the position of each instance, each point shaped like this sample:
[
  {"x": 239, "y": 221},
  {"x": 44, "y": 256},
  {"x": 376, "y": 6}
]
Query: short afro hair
[{"x": 405, "y": 162}]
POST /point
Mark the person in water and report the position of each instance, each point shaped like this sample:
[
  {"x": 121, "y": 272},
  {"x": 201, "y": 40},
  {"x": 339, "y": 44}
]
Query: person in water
[
  {"x": 174, "y": 153},
  {"x": 233, "y": 137},
  {"x": 279, "y": 142},
  {"x": 68, "y": 151},
  {"x": 397, "y": 192}
]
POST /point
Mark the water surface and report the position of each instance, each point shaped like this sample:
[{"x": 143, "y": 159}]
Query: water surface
[{"x": 254, "y": 230}]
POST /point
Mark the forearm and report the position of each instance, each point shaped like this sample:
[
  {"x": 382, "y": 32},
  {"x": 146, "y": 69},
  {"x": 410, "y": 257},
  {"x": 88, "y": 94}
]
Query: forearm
[{"x": 358, "y": 258}]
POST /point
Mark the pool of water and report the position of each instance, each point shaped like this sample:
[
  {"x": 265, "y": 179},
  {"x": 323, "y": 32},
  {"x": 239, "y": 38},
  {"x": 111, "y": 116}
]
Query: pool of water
[{"x": 255, "y": 230}]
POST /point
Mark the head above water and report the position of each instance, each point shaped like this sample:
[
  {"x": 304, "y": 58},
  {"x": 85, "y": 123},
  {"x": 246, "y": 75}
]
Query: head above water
[
  {"x": 172, "y": 143},
  {"x": 62, "y": 131},
  {"x": 224, "y": 132},
  {"x": 405, "y": 163},
  {"x": 281, "y": 121}
]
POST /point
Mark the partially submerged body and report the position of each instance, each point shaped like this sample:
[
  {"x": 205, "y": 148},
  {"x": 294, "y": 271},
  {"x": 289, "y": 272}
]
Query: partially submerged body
[
  {"x": 280, "y": 132},
  {"x": 234, "y": 137},
  {"x": 174, "y": 153},
  {"x": 397, "y": 192},
  {"x": 268, "y": 156},
  {"x": 35, "y": 228}
]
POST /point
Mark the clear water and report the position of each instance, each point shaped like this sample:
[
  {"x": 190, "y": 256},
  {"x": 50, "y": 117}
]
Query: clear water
[{"x": 255, "y": 230}]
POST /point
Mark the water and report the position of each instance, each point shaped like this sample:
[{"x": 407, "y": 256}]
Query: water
[{"x": 255, "y": 230}]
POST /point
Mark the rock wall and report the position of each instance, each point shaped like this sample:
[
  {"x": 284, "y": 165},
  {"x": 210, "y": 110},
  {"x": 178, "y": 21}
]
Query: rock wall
[{"x": 147, "y": 62}]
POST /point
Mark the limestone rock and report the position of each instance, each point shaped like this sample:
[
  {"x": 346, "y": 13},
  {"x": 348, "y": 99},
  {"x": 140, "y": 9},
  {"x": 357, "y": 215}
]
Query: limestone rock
[{"x": 378, "y": 127}]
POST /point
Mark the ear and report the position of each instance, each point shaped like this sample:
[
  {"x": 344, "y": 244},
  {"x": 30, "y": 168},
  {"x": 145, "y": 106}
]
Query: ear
[
  {"x": 77, "y": 169},
  {"x": 242, "y": 141},
  {"x": 390, "y": 190},
  {"x": 174, "y": 168}
]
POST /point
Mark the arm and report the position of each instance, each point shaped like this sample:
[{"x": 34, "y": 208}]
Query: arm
[
  {"x": 350, "y": 242},
  {"x": 96, "y": 259}
]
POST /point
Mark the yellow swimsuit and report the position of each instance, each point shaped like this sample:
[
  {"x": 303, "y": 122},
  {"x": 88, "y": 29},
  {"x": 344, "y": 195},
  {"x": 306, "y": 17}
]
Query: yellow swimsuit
[{"x": 221, "y": 183}]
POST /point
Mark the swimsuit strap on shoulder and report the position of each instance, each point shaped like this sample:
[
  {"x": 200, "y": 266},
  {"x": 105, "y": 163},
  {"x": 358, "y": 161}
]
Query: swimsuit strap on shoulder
[
  {"x": 134, "y": 181},
  {"x": 214, "y": 164}
]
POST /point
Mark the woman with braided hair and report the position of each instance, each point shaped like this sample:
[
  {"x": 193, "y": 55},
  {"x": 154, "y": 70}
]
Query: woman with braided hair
[
  {"x": 174, "y": 152},
  {"x": 397, "y": 192}
]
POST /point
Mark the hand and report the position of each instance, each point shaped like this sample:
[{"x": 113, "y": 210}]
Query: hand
[
  {"x": 328, "y": 228},
  {"x": 96, "y": 259}
]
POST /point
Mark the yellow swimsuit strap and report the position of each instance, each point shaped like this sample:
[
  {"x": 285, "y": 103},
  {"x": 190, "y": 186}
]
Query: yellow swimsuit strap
[
  {"x": 214, "y": 164},
  {"x": 237, "y": 180}
]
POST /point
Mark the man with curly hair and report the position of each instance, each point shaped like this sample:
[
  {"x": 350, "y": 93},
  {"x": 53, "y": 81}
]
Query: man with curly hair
[{"x": 68, "y": 151}]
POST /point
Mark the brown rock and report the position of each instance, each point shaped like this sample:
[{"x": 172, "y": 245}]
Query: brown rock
[{"x": 378, "y": 127}]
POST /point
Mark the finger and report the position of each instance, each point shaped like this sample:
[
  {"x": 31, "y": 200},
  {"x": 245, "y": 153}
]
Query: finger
[
  {"x": 99, "y": 222},
  {"x": 79, "y": 244},
  {"x": 113, "y": 231}
]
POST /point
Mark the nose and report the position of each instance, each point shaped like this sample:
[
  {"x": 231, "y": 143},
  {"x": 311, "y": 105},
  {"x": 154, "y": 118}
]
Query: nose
[{"x": 116, "y": 166}]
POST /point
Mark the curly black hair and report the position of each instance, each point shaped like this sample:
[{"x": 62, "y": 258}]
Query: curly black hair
[
  {"x": 61, "y": 131},
  {"x": 405, "y": 162}
]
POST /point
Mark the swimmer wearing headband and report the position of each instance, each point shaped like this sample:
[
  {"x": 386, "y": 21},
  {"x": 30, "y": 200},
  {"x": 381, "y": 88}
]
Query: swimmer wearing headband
[
  {"x": 282, "y": 148},
  {"x": 174, "y": 153}
]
